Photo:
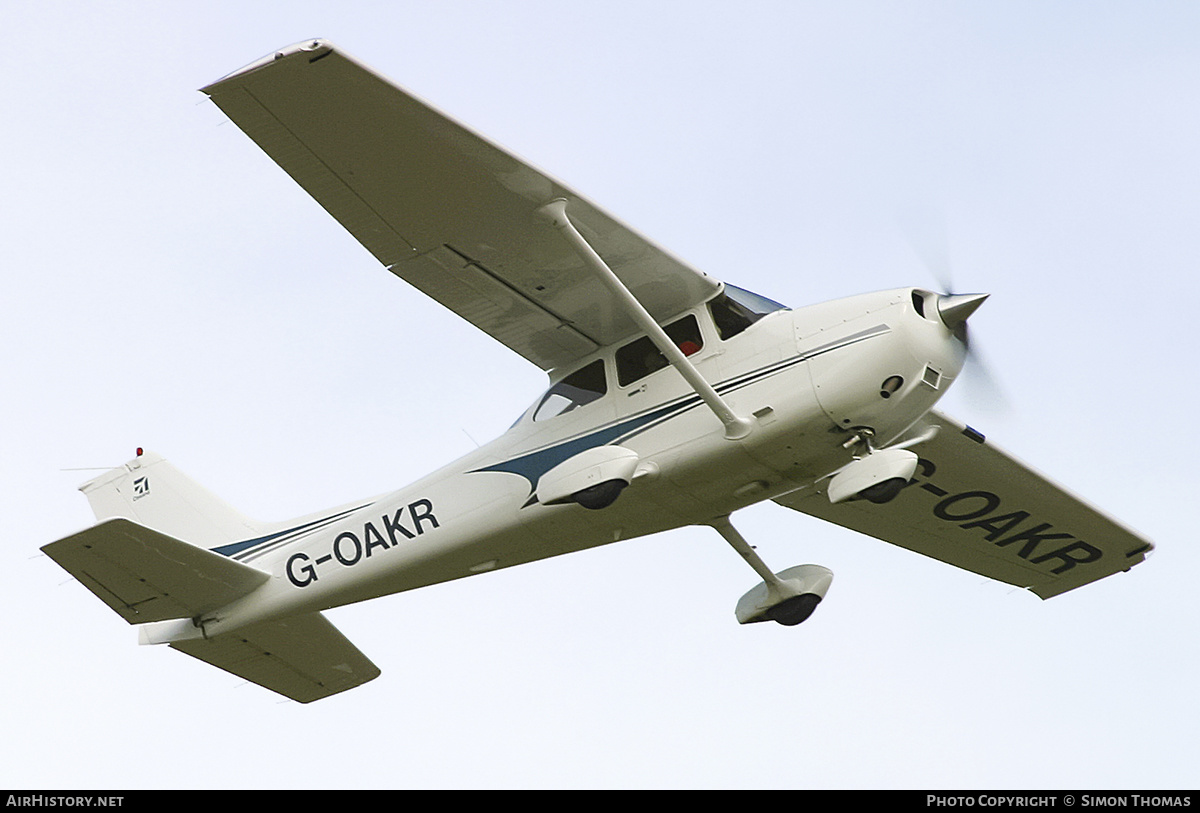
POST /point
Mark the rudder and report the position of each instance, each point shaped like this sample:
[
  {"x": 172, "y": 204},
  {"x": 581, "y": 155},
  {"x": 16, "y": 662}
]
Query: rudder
[{"x": 153, "y": 493}]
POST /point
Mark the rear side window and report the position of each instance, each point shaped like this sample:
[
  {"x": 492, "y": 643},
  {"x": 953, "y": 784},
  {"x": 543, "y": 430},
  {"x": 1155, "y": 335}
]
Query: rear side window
[
  {"x": 639, "y": 358},
  {"x": 581, "y": 387}
]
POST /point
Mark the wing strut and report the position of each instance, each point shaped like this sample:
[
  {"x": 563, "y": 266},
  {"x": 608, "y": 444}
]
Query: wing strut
[{"x": 735, "y": 427}]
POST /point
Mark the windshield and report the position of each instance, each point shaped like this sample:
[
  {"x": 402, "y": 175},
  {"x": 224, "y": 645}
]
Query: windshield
[{"x": 735, "y": 309}]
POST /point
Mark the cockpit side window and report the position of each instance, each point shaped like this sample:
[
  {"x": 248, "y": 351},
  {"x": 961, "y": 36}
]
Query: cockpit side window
[
  {"x": 735, "y": 309},
  {"x": 639, "y": 358},
  {"x": 581, "y": 387}
]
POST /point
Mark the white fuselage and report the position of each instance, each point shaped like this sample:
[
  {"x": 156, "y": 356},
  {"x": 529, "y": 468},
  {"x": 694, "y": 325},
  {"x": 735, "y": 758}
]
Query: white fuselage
[{"x": 806, "y": 378}]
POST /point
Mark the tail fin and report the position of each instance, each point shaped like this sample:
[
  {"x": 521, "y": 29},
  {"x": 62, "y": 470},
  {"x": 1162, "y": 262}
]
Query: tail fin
[
  {"x": 151, "y": 559},
  {"x": 153, "y": 493}
]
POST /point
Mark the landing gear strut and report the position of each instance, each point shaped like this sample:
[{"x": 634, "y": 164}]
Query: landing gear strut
[{"x": 787, "y": 597}]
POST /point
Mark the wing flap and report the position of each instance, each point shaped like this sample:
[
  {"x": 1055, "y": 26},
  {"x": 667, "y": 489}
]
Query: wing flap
[
  {"x": 469, "y": 289},
  {"x": 148, "y": 576},
  {"x": 304, "y": 658},
  {"x": 976, "y": 507},
  {"x": 407, "y": 181}
]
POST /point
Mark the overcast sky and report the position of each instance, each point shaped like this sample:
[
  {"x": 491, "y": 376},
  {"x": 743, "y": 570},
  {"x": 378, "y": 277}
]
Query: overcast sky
[{"x": 165, "y": 285}]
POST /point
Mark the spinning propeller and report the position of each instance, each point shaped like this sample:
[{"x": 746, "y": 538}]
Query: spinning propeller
[{"x": 955, "y": 309}]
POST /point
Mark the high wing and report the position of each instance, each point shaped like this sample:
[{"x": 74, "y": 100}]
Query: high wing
[
  {"x": 445, "y": 209},
  {"x": 974, "y": 506}
]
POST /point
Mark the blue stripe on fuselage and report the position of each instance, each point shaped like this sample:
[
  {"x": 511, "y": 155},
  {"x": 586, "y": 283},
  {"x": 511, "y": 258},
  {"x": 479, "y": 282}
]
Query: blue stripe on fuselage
[{"x": 533, "y": 465}]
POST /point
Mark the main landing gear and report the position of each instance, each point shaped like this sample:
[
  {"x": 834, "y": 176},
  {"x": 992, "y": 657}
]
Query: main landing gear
[{"x": 787, "y": 597}]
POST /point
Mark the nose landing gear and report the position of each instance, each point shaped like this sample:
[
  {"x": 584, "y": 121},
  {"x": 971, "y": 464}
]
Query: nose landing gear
[{"x": 788, "y": 597}]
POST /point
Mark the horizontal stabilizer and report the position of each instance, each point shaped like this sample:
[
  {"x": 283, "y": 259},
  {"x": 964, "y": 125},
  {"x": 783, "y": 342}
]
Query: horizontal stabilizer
[
  {"x": 148, "y": 576},
  {"x": 304, "y": 658}
]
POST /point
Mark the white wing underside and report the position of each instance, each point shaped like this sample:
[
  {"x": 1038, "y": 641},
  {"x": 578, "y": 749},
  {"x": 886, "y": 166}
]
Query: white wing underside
[{"x": 446, "y": 210}]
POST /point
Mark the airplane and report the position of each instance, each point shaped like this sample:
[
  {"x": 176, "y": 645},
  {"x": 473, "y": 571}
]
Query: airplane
[{"x": 674, "y": 399}]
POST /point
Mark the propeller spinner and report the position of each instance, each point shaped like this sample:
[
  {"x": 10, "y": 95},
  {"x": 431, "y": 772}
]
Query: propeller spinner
[{"x": 955, "y": 309}]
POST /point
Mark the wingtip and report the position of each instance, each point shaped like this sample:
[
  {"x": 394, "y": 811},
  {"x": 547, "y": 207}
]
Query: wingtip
[{"x": 314, "y": 48}]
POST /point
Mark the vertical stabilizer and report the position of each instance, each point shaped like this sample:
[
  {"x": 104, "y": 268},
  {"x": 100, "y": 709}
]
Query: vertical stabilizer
[{"x": 152, "y": 492}]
